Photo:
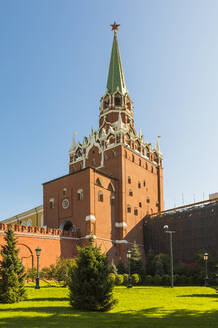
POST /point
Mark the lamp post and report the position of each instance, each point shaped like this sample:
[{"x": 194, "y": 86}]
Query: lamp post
[
  {"x": 129, "y": 253},
  {"x": 206, "y": 275},
  {"x": 38, "y": 251},
  {"x": 170, "y": 232}
]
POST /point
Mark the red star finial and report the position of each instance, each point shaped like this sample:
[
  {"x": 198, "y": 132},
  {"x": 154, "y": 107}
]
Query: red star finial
[{"x": 114, "y": 26}]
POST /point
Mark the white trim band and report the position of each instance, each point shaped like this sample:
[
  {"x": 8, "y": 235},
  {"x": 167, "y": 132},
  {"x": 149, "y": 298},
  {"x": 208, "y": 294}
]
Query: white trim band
[
  {"x": 90, "y": 236},
  {"x": 90, "y": 218},
  {"x": 120, "y": 224},
  {"x": 122, "y": 241}
]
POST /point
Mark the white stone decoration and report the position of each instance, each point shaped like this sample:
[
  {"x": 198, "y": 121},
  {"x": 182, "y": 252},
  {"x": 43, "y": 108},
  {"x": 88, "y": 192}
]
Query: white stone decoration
[
  {"x": 90, "y": 236},
  {"x": 128, "y": 137},
  {"x": 90, "y": 218},
  {"x": 121, "y": 241},
  {"x": 120, "y": 224}
]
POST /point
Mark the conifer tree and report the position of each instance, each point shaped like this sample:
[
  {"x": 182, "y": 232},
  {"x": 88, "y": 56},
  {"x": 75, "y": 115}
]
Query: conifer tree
[
  {"x": 121, "y": 268},
  {"x": 113, "y": 268},
  {"x": 12, "y": 272},
  {"x": 89, "y": 285},
  {"x": 137, "y": 265},
  {"x": 149, "y": 262}
]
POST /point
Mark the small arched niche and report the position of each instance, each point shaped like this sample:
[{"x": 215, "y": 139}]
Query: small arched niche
[{"x": 66, "y": 226}]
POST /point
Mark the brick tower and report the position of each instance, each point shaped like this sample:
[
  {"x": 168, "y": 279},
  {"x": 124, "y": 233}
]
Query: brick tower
[{"x": 115, "y": 177}]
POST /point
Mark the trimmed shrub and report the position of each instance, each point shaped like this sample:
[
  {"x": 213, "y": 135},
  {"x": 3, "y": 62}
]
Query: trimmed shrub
[
  {"x": 44, "y": 273},
  {"x": 31, "y": 274},
  {"x": 148, "y": 279},
  {"x": 125, "y": 279},
  {"x": 62, "y": 269},
  {"x": 119, "y": 279},
  {"x": 112, "y": 277},
  {"x": 157, "y": 280},
  {"x": 182, "y": 280},
  {"x": 135, "y": 278},
  {"x": 190, "y": 280},
  {"x": 165, "y": 280}
]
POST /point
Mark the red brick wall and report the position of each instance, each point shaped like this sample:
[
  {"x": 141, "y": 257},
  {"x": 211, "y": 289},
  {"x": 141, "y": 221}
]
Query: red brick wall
[
  {"x": 119, "y": 164},
  {"x": 77, "y": 210},
  {"x": 52, "y": 244}
]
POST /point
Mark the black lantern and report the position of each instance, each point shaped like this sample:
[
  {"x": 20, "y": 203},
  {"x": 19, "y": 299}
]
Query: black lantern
[
  {"x": 206, "y": 274},
  {"x": 38, "y": 251},
  {"x": 129, "y": 254}
]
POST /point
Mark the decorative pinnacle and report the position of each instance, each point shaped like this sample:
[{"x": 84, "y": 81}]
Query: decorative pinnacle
[{"x": 114, "y": 27}]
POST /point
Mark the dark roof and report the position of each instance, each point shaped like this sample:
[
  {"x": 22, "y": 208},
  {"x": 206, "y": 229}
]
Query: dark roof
[{"x": 89, "y": 167}]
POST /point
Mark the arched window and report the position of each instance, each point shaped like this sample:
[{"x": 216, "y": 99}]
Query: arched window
[
  {"x": 51, "y": 203},
  {"x": 29, "y": 223},
  {"x": 129, "y": 180},
  {"x": 130, "y": 192},
  {"x": 139, "y": 184},
  {"x": 112, "y": 199},
  {"x": 135, "y": 211},
  {"x": 117, "y": 100},
  {"x": 100, "y": 196},
  {"x": 67, "y": 226},
  {"x": 78, "y": 153},
  {"x": 64, "y": 191},
  {"x": 133, "y": 158},
  {"x": 140, "y": 162},
  {"x": 106, "y": 102},
  {"x": 128, "y": 208},
  {"x": 80, "y": 194}
]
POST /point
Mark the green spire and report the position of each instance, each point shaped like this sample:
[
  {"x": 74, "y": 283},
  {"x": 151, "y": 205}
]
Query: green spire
[{"x": 116, "y": 75}]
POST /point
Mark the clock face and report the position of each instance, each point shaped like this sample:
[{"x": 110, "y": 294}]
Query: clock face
[{"x": 65, "y": 203}]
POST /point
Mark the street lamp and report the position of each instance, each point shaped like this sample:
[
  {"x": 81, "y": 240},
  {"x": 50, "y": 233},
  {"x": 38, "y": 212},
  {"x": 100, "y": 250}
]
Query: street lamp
[
  {"x": 206, "y": 275},
  {"x": 129, "y": 253},
  {"x": 38, "y": 251},
  {"x": 170, "y": 232}
]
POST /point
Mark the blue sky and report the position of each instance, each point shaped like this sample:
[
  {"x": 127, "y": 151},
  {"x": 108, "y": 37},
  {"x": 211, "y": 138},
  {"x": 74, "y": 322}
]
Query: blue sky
[{"x": 54, "y": 62}]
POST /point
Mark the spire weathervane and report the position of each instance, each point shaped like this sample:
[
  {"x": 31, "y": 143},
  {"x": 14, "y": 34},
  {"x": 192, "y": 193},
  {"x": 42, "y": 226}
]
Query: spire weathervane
[{"x": 114, "y": 26}]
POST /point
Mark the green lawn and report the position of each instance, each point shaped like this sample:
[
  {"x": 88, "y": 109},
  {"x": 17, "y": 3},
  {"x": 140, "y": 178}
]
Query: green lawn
[{"x": 150, "y": 307}]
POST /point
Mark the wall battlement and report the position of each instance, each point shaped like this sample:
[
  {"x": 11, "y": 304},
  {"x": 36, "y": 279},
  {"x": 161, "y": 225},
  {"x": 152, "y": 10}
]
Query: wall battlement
[{"x": 39, "y": 231}]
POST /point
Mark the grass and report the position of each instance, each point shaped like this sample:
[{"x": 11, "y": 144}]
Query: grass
[{"x": 153, "y": 307}]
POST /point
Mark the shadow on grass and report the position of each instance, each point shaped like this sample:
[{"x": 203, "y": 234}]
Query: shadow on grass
[
  {"x": 66, "y": 317},
  {"x": 47, "y": 286},
  {"x": 200, "y": 295},
  {"x": 52, "y": 299}
]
